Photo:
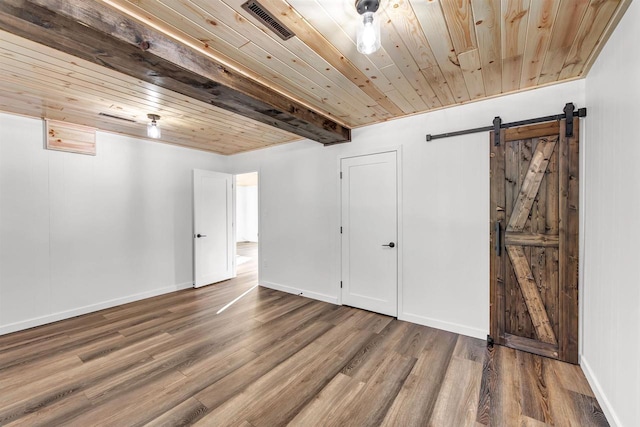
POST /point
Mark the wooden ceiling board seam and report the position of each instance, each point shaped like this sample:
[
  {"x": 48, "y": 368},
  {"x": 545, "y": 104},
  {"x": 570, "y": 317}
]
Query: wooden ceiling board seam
[
  {"x": 312, "y": 38},
  {"x": 139, "y": 16},
  {"x": 407, "y": 72},
  {"x": 598, "y": 15},
  {"x": 278, "y": 73},
  {"x": 190, "y": 72},
  {"x": 542, "y": 18},
  {"x": 408, "y": 45},
  {"x": 51, "y": 108},
  {"x": 214, "y": 147},
  {"x": 570, "y": 13},
  {"x": 301, "y": 56},
  {"x": 318, "y": 16},
  {"x": 66, "y": 88},
  {"x": 425, "y": 90},
  {"x": 186, "y": 11},
  {"x": 63, "y": 25},
  {"x": 431, "y": 18},
  {"x": 402, "y": 20},
  {"x": 351, "y": 94},
  {"x": 439, "y": 85},
  {"x": 488, "y": 97},
  {"x": 355, "y": 99},
  {"x": 345, "y": 17},
  {"x": 379, "y": 114},
  {"x": 487, "y": 17},
  {"x": 392, "y": 72},
  {"x": 310, "y": 58},
  {"x": 472, "y": 73},
  {"x": 146, "y": 18},
  {"x": 401, "y": 101},
  {"x": 412, "y": 83},
  {"x": 199, "y": 18},
  {"x": 373, "y": 64},
  {"x": 613, "y": 22},
  {"x": 515, "y": 19},
  {"x": 515, "y": 13},
  {"x": 31, "y": 105},
  {"x": 90, "y": 88},
  {"x": 459, "y": 17},
  {"x": 327, "y": 17},
  {"x": 347, "y": 110},
  {"x": 107, "y": 105}
]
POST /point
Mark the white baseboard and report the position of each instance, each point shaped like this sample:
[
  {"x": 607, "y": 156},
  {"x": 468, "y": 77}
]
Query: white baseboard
[
  {"x": 50, "y": 318},
  {"x": 447, "y": 326},
  {"x": 301, "y": 292},
  {"x": 185, "y": 285},
  {"x": 613, "y": 419}
]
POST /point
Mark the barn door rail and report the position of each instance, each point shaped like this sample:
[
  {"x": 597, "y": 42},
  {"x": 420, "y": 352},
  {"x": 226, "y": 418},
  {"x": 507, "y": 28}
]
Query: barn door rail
[{"x": 569, "y": 111}]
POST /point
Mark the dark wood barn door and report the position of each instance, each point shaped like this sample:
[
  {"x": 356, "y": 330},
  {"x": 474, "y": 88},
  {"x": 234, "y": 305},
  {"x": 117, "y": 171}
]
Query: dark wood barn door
[{"x": 534, "y": 238}]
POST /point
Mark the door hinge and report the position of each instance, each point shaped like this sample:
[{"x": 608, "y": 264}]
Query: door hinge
[
  {"x": 340, "y": 230},
  {"x": 340, "y": 284},
  {"x": 340, "y": 174}
]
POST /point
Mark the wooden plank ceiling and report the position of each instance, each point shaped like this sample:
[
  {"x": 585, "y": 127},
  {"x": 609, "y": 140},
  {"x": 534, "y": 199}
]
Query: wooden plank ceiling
[{"x": 434, "y": 54}]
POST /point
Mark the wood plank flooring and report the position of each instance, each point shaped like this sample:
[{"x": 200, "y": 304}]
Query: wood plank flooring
[{"x": 274, "y": 359}]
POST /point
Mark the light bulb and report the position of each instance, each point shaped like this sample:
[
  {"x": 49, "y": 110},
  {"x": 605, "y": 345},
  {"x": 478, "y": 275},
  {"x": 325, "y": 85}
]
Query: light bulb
[
  {"x": 153, "y": 131},
  {"x": 368, "y": 34}
]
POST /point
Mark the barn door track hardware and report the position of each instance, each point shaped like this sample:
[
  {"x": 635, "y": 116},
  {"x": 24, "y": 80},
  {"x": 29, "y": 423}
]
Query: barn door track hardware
[{"x": 569, "y": 111}]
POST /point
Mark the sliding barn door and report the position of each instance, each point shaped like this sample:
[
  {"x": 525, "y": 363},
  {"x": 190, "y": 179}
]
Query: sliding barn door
[{"x": 534, "y": 240}]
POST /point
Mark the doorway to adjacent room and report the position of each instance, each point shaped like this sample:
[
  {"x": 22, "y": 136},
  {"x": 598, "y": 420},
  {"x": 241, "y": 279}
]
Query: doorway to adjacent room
[{"x": 246, "y": 219}]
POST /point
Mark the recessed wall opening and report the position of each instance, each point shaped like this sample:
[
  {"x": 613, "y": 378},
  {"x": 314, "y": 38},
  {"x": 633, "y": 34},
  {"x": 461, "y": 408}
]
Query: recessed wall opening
[{"x": 246, "y": 220}]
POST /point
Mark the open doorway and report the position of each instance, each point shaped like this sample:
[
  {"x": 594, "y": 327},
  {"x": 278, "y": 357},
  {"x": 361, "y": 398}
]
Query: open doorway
[{"x": 247, "y": 225}]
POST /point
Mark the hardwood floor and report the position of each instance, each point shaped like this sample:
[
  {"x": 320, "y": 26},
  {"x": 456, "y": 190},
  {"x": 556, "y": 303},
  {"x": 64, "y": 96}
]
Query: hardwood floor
[{"x": 274, "y": 359}]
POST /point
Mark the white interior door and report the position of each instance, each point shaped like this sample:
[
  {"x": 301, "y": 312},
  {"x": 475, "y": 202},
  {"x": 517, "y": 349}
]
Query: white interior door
[
  {"x": 213, "y": 245},
  {"x": 369, "y": 232}
]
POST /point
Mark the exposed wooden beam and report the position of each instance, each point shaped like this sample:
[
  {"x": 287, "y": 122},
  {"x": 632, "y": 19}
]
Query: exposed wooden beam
[{"x": 101, "y": 35}]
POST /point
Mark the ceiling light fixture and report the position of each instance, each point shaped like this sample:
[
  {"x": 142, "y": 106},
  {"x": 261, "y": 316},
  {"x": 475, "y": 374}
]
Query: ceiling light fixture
[
  {"x": 153, "y": 130},
  {"x": 369, "y": 28}
]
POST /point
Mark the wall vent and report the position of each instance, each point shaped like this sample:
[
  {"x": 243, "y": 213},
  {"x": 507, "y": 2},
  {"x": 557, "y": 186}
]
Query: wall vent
[
  {"x": 262, "y": 15},
  {"x": 111, "y": 116}
]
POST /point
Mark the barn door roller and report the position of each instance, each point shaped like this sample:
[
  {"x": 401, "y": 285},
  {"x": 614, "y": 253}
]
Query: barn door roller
[{"x": 569, "y": 111}]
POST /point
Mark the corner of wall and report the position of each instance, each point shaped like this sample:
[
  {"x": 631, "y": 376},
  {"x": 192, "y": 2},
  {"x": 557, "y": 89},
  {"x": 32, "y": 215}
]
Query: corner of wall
[{"x": 300, "y": 292}]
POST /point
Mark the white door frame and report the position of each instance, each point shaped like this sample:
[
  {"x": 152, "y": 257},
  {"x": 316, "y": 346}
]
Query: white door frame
[
  {"x": 338, "y": 246},
  {"x": 235, "y": 173}
]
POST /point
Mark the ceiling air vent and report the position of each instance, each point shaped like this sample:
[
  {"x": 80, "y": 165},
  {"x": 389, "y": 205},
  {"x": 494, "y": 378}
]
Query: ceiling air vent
[
  {"x": 260, "y": 13},
  {"x": 111, "y": 116}
]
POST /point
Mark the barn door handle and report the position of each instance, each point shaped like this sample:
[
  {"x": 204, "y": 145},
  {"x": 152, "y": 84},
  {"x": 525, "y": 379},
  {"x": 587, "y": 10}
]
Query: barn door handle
[
  {"x": 391, "y": 245},
  {"x": 498, "y": 239},
  {"x": 201, "y": 235}
]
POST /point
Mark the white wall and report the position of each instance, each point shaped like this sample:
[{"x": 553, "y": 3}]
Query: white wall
[
  {"x": 247, "y": 213},
  {"x": 79, "y": 233},
  {"x": 611, "y": 338},
  {"x": 445, "y": 219}
]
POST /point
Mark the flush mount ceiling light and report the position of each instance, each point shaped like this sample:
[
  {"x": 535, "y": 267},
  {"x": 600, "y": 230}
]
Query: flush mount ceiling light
[
  {"x": 369, "y": 28},
  {"x": 153, "y": 130}
]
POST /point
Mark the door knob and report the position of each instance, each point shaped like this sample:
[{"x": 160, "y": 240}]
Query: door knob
[
  {"x": 391, "y": 245},
  {"x": 201, "y": 235}
]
